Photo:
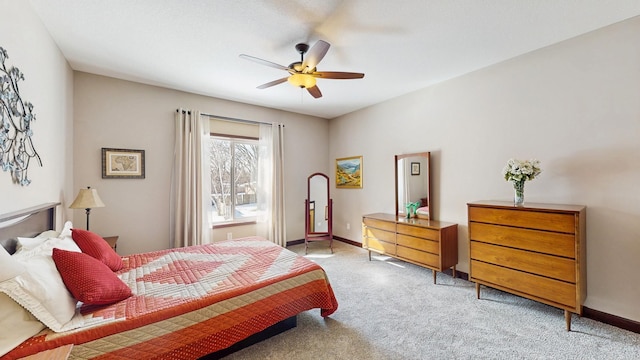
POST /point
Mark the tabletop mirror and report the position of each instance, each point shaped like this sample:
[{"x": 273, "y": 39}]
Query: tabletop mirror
[{"x": 413, "y": 185}]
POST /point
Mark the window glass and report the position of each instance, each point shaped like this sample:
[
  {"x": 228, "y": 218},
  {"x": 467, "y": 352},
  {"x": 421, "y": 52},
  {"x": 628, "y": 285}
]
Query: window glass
[{"x": 234, "y": 174}]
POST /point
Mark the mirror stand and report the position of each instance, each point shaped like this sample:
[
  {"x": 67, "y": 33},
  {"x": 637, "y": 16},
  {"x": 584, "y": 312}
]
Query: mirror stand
[{"x": 317, "y": 228}]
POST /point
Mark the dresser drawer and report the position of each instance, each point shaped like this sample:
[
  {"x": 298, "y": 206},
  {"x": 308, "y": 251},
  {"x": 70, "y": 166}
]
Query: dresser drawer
[
  {"x": 380, "y": 224},
  {"x": 419, "y": 256},
  {"x": 372, "y": 243},
  {"x": 418, "y": 243},
  {"x": 541, "y": 264},
  {"x": 553, "y": 243},
  {"x": 379, "y": 234},
  {"x": 561, "y": 222},
  {"x": 419, "y": 232},
  {"x": 528, "y": 284}
]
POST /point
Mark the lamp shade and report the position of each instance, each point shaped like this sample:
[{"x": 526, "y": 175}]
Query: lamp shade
[{"x": 87, "y": 199}]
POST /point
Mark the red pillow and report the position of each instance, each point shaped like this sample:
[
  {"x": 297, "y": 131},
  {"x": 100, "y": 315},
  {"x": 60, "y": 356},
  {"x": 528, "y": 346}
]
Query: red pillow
[
  {"x": 89, "y": 280},
  {"x": 94, "y": 245}
]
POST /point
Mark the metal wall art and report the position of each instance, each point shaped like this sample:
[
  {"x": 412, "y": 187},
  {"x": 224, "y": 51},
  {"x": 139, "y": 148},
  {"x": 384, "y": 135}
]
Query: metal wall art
[{"x": 16, "y": 116}]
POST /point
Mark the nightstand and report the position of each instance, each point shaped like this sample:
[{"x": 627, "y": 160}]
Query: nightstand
[{"x": 112, "y": 240}]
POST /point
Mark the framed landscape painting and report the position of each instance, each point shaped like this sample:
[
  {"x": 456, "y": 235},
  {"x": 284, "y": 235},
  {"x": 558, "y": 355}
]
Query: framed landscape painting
[
  {"x": 122, "y": 164},
  {"x": 349, "y": 173}
]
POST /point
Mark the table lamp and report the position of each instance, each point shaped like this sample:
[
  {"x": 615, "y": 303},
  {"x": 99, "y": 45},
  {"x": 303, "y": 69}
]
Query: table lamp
[{"x": 87, "y": 199}]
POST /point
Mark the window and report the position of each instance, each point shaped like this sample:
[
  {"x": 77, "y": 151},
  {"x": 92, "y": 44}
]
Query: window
[{"x": 234, "y": 175}]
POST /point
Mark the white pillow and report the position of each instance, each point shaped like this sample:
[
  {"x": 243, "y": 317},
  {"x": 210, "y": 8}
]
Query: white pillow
[
  {"x": 23, "y": 243},
  {"x": 40, "y": 288},
  {"x": 45, "y": 246},
  {"x": 17, "y": 323},
  {"x": 48, "y": 234},
  {"x": 9, "y": 267},
  {"x": 66, "y": 229}
]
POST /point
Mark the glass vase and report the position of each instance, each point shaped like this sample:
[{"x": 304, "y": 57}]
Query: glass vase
[{"x": 518, "y": 197}]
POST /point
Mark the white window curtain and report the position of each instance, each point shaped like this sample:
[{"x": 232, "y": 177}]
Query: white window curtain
[
  {"x": 271, "y": 211},
  {"x": 190, "y": 181}
]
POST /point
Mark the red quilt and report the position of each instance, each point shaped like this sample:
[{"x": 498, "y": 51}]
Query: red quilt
[{"x": 189, "y": 302}]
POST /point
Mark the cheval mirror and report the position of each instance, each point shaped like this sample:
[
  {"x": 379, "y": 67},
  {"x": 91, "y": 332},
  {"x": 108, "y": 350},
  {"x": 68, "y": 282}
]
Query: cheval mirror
[
  {"x": 318, "y": 211},
  {"x": 413, "y": 185}
]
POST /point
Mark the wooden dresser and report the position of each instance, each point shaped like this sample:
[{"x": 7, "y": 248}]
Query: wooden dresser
[
  {"x": 428, "y": 243},
  {"x": 537, "y": 251}
]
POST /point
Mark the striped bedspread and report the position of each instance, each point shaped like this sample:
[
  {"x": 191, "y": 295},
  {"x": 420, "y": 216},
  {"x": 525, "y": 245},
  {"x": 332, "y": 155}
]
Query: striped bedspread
[{"x": 189, "y": 302}]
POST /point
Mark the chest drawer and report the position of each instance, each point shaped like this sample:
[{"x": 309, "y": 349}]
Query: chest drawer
[
  {"x": 560, "y": 222},
  {"x": 544, "y": 265},
  {"x": 525, "y": 284},
  {"x": 552, "y": 243}
]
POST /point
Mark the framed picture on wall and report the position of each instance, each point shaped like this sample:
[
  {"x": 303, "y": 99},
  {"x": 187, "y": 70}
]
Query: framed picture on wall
[
  {"x": 415, "y": 168},
  {"x": 349, "y": 173},
  {"x": 122, "y": 164}
]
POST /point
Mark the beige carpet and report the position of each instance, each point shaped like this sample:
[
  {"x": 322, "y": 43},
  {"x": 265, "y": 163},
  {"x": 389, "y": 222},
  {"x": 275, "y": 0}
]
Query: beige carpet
[{"x": 389, "y": 309}]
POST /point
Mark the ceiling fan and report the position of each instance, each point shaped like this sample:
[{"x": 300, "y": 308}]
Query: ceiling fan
[{"x": 303, "y": 73}]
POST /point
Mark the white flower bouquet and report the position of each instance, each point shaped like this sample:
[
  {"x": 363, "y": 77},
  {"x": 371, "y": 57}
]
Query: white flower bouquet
[{"x": 519, "y": 171}]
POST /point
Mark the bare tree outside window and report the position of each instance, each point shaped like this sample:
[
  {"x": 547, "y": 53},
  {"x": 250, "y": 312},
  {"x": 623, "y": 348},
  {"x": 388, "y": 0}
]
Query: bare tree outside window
[{"x": 234, "y": 173}]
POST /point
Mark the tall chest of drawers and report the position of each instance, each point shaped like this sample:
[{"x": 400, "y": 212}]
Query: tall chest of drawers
[
  {"x": 428, "y": 243},
  {"x": 537, "y": 251}
]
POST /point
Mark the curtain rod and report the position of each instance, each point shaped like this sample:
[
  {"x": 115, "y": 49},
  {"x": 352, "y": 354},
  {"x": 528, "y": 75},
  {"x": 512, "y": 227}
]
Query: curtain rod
[{"x": 230, "y": 118}]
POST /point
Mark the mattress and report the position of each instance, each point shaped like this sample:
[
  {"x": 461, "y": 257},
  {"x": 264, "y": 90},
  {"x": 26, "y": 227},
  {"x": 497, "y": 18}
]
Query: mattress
[{"x": 192, "y": 301}]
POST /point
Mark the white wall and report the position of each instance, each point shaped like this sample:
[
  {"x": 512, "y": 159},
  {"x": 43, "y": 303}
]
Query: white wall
[
  {"x": 121, "y": 114},
  {"x": 574, "y": 106},
  {"x": 48, "y": 86}
]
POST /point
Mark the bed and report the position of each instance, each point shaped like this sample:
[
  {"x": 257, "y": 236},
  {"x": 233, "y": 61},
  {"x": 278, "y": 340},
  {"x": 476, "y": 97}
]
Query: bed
[{"x": 188, "y": 303}]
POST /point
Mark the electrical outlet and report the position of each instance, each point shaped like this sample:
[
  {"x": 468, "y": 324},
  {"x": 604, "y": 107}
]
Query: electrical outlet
[
  {"x": 229, "y": 236},
  {"x": 348, "y": 226}
]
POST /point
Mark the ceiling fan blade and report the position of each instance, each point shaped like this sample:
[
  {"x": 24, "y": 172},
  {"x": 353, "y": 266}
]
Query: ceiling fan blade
[
  {"x": 314, "y": 91},
  {"x": 264, "y": 62},
  {"x": 315, "y": 54},
  {"x": 272, "y": 83},
  {"x": 337, "y": 75}
]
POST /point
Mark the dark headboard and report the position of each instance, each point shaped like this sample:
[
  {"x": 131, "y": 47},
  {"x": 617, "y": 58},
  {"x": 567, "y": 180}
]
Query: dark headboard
[{"x": 27, "y": 223}]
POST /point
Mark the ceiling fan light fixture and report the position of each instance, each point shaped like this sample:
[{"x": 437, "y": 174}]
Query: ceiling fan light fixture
[
  {"x": 303, "y": 73},
  {"x": 302, "y": 80}
]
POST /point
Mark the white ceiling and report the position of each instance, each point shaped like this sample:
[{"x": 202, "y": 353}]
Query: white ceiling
[{"x": 401, "y": 45}]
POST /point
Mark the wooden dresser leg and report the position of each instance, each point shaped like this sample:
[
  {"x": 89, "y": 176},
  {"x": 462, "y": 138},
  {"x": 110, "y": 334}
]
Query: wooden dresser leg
[
  {"x": 434, "y": 276},
  {"x": 454, "y": 271},
  {"x": 567, "y": 319},
  {"x": 477, "y": 291},
  {"x": 369, "y": 255}
]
